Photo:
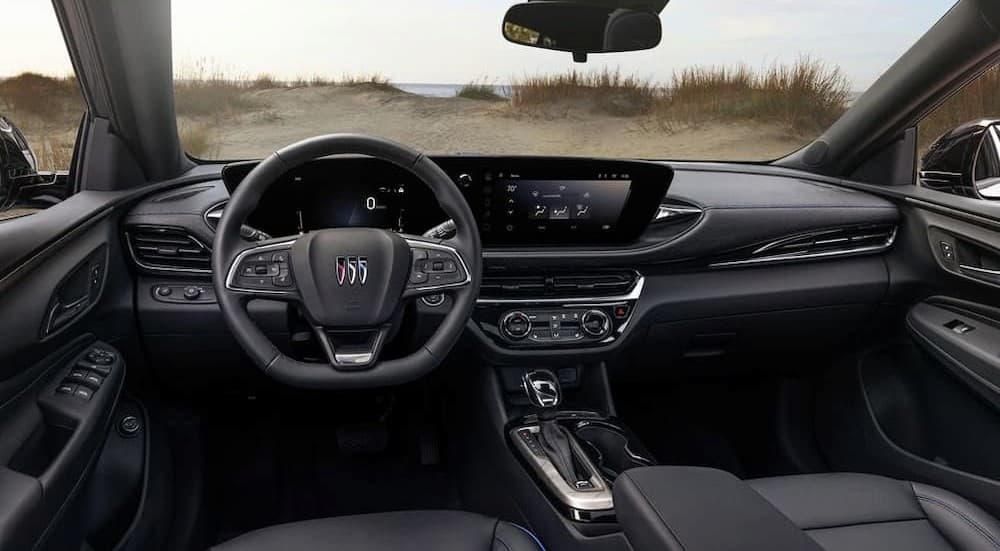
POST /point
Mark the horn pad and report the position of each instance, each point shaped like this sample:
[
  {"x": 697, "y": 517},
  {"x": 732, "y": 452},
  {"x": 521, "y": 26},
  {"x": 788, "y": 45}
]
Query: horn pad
[{"x": 350, "y": 277}]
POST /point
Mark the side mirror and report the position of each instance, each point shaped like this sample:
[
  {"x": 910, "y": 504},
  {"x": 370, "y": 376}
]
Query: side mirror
[
  {"x": 16, "y": 157},
  {"x": 18, "y": 164},
  {"x": 965, "y": 161},
  {"x": 582, "y": 28}
]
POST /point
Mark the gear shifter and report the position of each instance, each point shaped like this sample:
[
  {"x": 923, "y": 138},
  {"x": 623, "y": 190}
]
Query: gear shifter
[
  {"x": 542, "y": 389},
  {"x": 544, "y": 392}
]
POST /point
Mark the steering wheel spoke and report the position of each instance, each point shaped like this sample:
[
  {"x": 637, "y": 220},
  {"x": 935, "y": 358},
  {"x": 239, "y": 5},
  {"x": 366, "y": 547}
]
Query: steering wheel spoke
[
  {"x": 352, "y": 349},
  {"x": 264, "y": 271},
  {"x": 436, "y": 266}
]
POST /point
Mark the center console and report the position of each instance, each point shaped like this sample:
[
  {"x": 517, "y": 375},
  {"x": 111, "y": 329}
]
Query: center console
[{"x": 575, "y": 455}]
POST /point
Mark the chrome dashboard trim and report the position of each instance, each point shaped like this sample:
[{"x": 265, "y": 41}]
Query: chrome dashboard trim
[
  {"x": 634, "y": 294},
  {"x": 800, "y": 256},
  {"x": 978, "y": 270},
  {"x": 957, "y": 213},
  {"x": 668, "y": 212},
  {"x": 214, "y": 212}
]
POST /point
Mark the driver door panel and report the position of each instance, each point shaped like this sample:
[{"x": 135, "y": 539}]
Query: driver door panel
[{"x": 61, "y": 300}]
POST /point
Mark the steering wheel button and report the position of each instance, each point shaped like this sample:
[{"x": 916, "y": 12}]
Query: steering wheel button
[
  {"x": 419, "y": 254},
  {"x": 256, "y": 282},
  {"x": 260, "y": 269},
  {"x": 437, "y": 266},
  {"x": 418, "y": 277},
  {"x": 248, "y": 270},
  {"x": 283, "y": 280},
  {"x": 281, "y": 257}
]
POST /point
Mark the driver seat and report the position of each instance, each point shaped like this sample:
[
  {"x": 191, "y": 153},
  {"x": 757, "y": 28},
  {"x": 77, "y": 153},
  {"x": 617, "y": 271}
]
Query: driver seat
[{"x": 452, "y": 530}]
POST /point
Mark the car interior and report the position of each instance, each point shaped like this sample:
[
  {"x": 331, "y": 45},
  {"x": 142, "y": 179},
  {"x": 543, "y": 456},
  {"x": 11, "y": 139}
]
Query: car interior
[{"x": 355, "y": 342}]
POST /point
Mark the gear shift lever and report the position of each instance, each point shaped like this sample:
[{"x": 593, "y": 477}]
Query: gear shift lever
[
  {"x": 544, "y": 392},
  {"x": 542, "y": 389}
]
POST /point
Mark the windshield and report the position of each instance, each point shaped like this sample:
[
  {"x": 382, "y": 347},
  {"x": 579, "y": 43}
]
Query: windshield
[{"x": 731, "y": 80}]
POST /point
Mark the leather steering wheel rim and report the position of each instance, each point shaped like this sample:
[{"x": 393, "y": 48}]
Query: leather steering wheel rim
[{"x": 228, "y": 246}]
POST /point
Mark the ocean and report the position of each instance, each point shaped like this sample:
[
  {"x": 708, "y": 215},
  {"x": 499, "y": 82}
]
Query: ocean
[{"x": 442, "y": 90}]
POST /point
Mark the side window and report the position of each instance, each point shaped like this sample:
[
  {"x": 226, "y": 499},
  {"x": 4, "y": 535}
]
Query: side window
[
  {"x": 959, "y": 141},
  {"x": 977, "y": 100},
  {"x": 40, "y": 111}
]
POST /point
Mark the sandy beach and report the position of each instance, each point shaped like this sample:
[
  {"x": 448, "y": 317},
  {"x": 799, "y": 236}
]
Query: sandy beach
[{"x": 460, "y": 125}]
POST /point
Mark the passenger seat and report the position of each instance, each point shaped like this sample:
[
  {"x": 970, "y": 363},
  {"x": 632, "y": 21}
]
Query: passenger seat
[{"x": 692, "y": 509}]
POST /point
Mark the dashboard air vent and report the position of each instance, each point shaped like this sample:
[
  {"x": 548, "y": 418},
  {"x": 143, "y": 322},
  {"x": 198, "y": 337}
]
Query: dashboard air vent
[
  {"x": 169, "y": 249},
  {"x": 846, "y": 241},
  {"x": 558, "y": 285}
]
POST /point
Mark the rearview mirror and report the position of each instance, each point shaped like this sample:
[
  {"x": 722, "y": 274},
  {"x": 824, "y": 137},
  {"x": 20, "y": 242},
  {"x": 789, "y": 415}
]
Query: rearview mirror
[
  {"x": 581, "y": 28},
  {"x": 965, "y": 161}
]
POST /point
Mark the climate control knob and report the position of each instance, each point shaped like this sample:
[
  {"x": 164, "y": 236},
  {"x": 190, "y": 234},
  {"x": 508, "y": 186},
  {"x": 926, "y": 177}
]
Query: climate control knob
[
  {"x": 515, "y": 325},
  {"x": 595, "y": 323}
]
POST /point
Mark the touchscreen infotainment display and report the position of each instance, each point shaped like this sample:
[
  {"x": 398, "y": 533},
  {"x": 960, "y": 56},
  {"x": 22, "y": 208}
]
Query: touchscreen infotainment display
[
  {"x": 561, "y": 205},
  {"x": 516, "y": 201}
]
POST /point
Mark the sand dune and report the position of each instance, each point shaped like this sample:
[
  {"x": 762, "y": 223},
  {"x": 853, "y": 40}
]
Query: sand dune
[{"x": 451, "y": 125}]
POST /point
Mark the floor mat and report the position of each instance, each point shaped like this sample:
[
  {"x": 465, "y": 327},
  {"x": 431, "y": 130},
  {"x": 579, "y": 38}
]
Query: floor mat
[{"x": 273, "y": 463}]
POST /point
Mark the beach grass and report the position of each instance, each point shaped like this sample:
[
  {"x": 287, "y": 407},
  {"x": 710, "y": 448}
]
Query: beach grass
[
  {"x": 480, "y": 90},
  {"x": 800, "y": 98}
]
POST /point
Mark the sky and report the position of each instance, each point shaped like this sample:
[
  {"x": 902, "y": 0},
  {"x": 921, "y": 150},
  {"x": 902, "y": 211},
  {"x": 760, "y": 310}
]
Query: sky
[{"x": 458, "y": 41}]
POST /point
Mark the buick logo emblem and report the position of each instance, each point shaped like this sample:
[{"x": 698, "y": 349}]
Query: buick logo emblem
[{"x": 352, "y": 270}]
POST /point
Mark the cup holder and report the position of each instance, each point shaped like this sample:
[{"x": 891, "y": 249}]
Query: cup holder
[{"x": 612, "y": 448}]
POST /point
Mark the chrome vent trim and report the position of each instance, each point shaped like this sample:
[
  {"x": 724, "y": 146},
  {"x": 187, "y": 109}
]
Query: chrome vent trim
[
  {"x": 829, "y": 243},
  {"x": 168, "y": 249},
  {"x": 557, "y": 286},
  {"x": 668, "y": 212},
  {"x": 214, "y": 213}
]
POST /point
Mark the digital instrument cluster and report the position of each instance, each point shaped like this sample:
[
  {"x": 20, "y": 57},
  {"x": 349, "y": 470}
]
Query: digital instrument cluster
[{"x": 517, "y": 201}]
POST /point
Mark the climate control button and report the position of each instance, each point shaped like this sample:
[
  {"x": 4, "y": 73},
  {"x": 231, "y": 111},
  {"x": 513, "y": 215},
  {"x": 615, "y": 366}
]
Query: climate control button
[
  {"x": 595, "y": 323},
  {"x": 515, "y": 325}
]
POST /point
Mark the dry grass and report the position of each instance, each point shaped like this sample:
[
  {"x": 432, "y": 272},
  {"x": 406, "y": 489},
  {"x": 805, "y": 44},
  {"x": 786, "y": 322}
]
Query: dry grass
[
  {"x": 805, "y": 97},
  {"x": 48, "y": 111},
  {"x": 207, "y": 91},
  {"x": 481, "y": 90},
  {"x": 608, "y": 92},
  {"x": 197, "y": 139},
  {"x": 49, "y": 98},
  {"x": 980, "y": 99}
]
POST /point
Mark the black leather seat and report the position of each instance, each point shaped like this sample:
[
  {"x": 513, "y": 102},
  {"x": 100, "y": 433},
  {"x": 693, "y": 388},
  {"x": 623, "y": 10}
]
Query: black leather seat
[
  {"x": 857, "y": 512},
  {"x": 452, "y": 530},
  {"x": 694, "y": 509}
]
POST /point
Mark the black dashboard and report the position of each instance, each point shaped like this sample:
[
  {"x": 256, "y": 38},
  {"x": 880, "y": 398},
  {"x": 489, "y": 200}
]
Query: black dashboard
[
  {"x": 516, "y": 200},
  {"x": 692, "y": 253}
]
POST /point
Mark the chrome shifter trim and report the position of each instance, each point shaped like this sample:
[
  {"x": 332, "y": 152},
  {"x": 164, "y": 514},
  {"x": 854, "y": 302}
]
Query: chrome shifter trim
[{"x": 597, "y": 499}]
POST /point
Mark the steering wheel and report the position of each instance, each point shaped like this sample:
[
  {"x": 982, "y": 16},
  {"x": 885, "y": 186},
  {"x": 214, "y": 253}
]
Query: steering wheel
[{"x": 349, "y": 283}]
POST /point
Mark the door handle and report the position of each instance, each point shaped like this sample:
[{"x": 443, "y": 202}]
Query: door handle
[{"x": 61, "y": 314}]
